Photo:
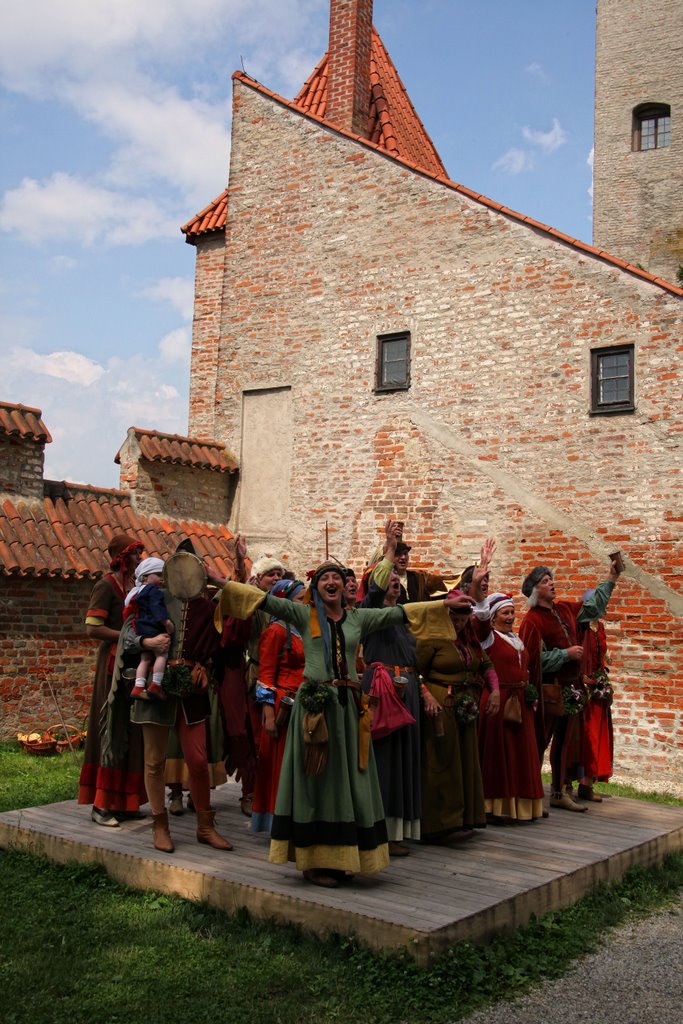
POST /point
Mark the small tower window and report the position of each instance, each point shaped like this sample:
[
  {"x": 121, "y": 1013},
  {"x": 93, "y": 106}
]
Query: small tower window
[
  {"x": 393, "y": 362},
  {"x": 651, "y": 126}
]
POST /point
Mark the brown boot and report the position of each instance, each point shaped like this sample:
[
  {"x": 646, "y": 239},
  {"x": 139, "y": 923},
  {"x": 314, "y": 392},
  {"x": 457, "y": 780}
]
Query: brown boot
[
  {"x": 206, "y": 833},
  {"x": 162, "y": 837}
]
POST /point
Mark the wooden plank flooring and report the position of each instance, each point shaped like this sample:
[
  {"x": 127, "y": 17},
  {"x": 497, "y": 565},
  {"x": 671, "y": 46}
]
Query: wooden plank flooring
[{"x": 426, "y": 901}]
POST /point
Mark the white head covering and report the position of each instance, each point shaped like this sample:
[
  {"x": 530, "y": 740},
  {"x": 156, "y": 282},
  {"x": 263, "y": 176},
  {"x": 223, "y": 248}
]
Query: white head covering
[
  {"x": 497, "y": 601},
  {"x": 147, "y": 566},
  {"x": 264, "y": 564}
]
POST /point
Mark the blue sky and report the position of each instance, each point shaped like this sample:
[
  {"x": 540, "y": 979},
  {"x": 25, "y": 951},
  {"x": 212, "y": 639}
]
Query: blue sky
[{"x": 115, "y": 121}]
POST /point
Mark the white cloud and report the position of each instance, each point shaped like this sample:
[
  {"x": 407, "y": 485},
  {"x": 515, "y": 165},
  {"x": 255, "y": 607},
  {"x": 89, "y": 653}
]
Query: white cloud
[
  {"x": 68, "y": 208},
  {"x": 589, "y": 161},
  {"x": 89, "y": 423},
  {"x": 178, "y": 291},
  {"x": 175, "y": 347},
  {"x": 536, "y": 71},
  {"x": 547, "y": 141},
  {"x": 67, "y": 366},
  {"x": 61, "y": 263},
  {"x": 160, "y": 137},
  {"x": 81, "y": 37},
  {"x": 514, "y": 161}
]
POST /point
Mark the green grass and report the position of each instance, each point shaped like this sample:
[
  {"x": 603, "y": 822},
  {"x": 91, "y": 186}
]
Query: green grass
[
  {"x": 27, "y": 780},
  {"x": 76, "y": 947}
]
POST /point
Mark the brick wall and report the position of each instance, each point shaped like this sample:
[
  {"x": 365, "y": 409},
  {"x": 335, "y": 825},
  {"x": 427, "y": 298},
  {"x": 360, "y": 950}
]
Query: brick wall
[
  {"x": 329, "y": 245},
  {"x": 182, "y": 492},
  {"x": 348, "y": 86},
  {"x": 638, "y": 196},
  {"x": 206, "y": 334},
  {"x": 21, "y": 466},
  {"x": 42, "y": 636}
]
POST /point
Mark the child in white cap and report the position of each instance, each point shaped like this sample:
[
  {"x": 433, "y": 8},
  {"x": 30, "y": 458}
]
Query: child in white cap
[{"x": 150, "y": 618}]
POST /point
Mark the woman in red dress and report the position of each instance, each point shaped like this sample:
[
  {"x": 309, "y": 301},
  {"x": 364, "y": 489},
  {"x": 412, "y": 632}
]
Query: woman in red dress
[
  {"x": 280, "y": 672},
  {"x": 507, "y": 744},
  {"x": 598, "y": 735}
]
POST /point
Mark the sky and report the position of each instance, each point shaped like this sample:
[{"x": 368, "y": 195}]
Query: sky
[{"x": 115, "y": 131}]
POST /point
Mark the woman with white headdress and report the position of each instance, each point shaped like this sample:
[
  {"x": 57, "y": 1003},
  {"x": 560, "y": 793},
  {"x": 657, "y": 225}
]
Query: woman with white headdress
[{"x": 507, "y": 745}]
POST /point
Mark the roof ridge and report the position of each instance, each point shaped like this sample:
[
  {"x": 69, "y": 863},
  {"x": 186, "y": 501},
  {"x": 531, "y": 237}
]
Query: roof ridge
[
  {"x": 442, "y": 179},
  {"x": 178, "y": 437},
  {"x": 21, "y": 408}
]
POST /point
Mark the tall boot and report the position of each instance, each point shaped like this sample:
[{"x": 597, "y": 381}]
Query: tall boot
[
  {"x": 206, "y": 833},
  {"x": 160, "y": 833}
]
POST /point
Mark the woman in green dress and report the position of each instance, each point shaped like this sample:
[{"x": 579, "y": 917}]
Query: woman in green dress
[{"x": 329, "y": 817}]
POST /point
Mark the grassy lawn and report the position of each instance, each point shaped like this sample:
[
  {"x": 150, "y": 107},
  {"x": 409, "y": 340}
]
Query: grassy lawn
[{"x": 76, "y": 947}]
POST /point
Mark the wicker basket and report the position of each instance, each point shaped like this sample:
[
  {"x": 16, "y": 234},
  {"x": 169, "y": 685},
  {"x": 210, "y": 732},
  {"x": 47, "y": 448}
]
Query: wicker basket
[
  {"x": 41, "y": 744},
  {"x": 59, "y": 733}
]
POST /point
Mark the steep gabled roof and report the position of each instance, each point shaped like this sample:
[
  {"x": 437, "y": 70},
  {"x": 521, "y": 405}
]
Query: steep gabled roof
[
  {"x": 67, "y": 532},
  {"x": 23, "y": 421},
  {"x": 393, "y": 125},
  {"x": 182, "y": 451}
]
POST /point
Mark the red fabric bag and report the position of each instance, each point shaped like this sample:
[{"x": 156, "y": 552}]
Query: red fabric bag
[{"x": 390, "y": 713}]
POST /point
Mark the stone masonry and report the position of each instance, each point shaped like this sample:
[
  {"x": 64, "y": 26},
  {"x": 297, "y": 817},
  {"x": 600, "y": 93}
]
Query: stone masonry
[{"x": 638, "y": 196}]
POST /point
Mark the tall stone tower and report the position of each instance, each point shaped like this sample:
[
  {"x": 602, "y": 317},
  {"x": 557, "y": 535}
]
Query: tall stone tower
[{"x": 638, "y": 164}]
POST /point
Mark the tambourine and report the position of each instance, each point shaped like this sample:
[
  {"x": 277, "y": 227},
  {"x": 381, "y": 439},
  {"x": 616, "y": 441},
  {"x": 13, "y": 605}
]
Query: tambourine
[{"x": 184, "y": 575}]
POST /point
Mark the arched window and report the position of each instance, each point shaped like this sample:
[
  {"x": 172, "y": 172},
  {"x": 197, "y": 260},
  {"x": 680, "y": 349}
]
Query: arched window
[{"x": 651, "y": 126}]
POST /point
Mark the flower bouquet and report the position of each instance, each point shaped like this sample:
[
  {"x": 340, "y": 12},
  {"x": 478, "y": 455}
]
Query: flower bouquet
[
  {"x": 573, "y": 699},
  {"x": 314, "y": 698},
  {"x": 465, "y": 708},
  {"x": 530, "y": 695},
  {"x": 602, "y": 688}
]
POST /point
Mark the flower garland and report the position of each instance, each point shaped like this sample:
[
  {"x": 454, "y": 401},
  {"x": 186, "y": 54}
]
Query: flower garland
[
  {"x": 573, "y": 699},
  {"x": 314, "y": 697},
  {"x": 465, "y": 708}
]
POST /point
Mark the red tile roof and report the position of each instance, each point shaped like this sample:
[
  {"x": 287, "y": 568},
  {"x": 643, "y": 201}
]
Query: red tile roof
[
  {"x": 442, "y": 179},
  {"x": 23, "y": 421},
  {"x": 393, "y": 125},
  {"x": 67, "y": 533},
  {"x": 183, "y": 451},
  {"x": 211, "y": 218}
]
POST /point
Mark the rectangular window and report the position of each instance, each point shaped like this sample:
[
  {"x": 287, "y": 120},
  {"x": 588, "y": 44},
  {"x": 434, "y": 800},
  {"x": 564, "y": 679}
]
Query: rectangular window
[
  {"x": 393, "y": 362},
  {"x": 612, "y": 374}
]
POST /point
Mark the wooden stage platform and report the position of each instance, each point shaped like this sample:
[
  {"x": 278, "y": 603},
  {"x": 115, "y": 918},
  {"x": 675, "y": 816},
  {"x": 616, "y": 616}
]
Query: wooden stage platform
[{"x": 425, "y": 902}]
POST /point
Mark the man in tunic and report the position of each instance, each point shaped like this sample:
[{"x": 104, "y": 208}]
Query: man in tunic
[{"x": 550, "y": 629}]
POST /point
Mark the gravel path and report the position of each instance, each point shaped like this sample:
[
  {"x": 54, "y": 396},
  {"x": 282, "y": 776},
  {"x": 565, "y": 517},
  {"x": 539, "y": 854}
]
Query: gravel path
[{"x": 636, "y": 978}]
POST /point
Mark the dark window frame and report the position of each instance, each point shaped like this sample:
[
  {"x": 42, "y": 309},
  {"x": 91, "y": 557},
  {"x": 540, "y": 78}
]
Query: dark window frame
[
  {"x": 659, "y": 113},
  {"x": 600, "y": 407},
  {"x": 382, "y": 340}
]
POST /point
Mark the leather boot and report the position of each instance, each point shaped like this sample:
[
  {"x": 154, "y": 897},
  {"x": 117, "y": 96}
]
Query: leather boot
[
  {"x": 160, "y": 833},
  {"x": 206, "y": 833}
]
